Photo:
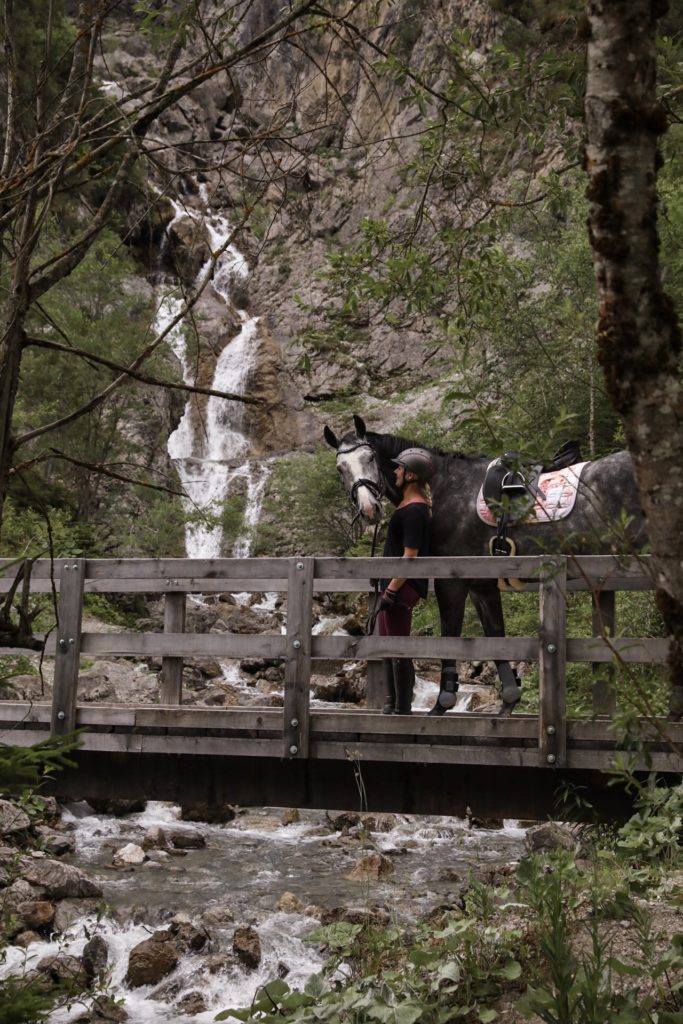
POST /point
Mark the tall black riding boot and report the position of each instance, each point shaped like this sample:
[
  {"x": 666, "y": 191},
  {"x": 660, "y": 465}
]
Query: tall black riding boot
[
  {"x": 389, "y": 706},
  {"x": 404, "y": 682}
]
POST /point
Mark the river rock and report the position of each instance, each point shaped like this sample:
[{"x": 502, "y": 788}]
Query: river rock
[
  {"x": 186, "y": 934},
  {"x": 344, "y": 821},
  {"x": 60, "y": 969},
  {"x": 57, "y": 844},
  {"x": 95, "y": 957},
  {"x": 246, "y": 945},
  {"x": 291, "y": 816},
  {"x": 129, "y": 855},
  {"x": 372, "y": 867},
  {"x": 379, "y": 822},
  {"x": 289, "y": 903},
  {"x": 18, "y": 892},
  {"x": 154, "y": 839},
  {"x": 35, "y": 914},
  {"x": 25, "y": 939},
  {"x": 551, "y": 835},
  {"x": 57, "y": 880},
  {"x": 102, "y": 1010},
  {"x": 151, "y": 960},
  {"x": 192, "y": 1003},
  {"x": 215, "y": 814},
  {"x": 369, "y": 914},
  {"x": 217, "y": 917},
  {"x": 187, "y": 839},
  {"x": 69, "y": 911},
  {"x": 49, "y": 808},
  {"x": 12, "y": 819}
]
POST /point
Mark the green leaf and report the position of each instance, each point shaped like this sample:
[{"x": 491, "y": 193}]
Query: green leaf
[
  {"x": 449, "y": 972},
  {"x": 486, "y": 1015},
  {"x": 511, "y": 970}
]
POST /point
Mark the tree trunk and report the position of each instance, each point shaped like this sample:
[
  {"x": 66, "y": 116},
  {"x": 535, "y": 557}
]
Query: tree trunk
[{"x": 639, "y": 340}]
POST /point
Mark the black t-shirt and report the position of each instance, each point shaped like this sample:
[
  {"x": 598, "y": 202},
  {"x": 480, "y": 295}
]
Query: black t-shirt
[{"x": 409, "y": 528}]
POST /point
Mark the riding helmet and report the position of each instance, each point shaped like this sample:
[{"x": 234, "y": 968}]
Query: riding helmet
[{"x": 419, "y": 461}]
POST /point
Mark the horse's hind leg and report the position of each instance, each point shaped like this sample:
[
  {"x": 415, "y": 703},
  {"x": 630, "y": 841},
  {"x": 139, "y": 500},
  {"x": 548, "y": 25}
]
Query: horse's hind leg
[
  {"x": 451, "y": 595},
  {"x": 486, "y": 600}
]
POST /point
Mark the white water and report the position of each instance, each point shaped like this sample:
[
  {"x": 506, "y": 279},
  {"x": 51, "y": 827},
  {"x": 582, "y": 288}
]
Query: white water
[
  {"x": 246, "y": 866},
  {"x": 210, "y": 451}
]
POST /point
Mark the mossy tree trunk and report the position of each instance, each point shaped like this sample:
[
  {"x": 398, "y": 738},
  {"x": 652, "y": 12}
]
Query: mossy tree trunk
[{"x": 639, "y": 338}]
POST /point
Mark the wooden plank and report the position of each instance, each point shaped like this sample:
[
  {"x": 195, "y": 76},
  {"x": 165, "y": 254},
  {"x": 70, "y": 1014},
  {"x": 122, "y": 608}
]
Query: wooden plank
[
  {"x": 202, "y": 746},
  {"x": 68, "y": 646},
  {"x": 209, "y": 718},
  {"x": 463, "y": 648},
  {"x": 552, "y": 658},
  {"x": 474, "y": 567},
  {"x": 189, "y": 645},
  {"x": 298, "y": 658},
  {"x": 629, "y": 649},
  {"x": 659, "y": 730},
  {"x": 603, "y": 759},
  {"x": 454, "y": 724},
  {"x": 171, "y": 689},
  {"x": 178, "y": 568},
  {"x": 25, "y": 711},
  {"x": 418, "y": 753}
]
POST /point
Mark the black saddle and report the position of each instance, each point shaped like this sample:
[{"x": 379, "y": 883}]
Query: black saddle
[{"x": 511, "y": 486}]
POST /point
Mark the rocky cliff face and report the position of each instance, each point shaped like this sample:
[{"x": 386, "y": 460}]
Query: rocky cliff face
[{"x": 296, "y": 151}]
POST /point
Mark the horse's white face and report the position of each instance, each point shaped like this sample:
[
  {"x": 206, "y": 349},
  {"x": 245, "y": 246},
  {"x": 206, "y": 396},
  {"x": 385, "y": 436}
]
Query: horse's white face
[{"x": 356, "y": 464}]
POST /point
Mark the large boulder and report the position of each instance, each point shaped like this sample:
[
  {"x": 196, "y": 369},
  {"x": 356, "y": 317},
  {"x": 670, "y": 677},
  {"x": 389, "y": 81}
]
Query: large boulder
[
  {"x": 187, "y": 839},
  {"x": 95, "y": 957},
  {"x": 216, "y": 814},
  {"x": 57, "y": 880},
  {"x": 35, "y": 914},
  {"x": 551, "y": 835},
  {"x": 117, "y": 808},
  {"x": 12, "y": 819},
  {"x": 151, "y": 960},
  {"x": 246, "y": 945},
  {"x": 130, "y": 855},
  {"x": 372, "y": 867}
]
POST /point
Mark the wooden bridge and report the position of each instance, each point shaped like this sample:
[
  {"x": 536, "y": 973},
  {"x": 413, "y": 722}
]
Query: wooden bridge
[{"x": 497, "y": 765}]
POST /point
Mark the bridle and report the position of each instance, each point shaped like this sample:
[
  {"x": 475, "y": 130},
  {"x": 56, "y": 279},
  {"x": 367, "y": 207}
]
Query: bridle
[{"x": 377, "y": 489}]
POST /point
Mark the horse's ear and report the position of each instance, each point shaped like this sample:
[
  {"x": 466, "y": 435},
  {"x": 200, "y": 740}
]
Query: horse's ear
[
  {"x": 359, "y": 424},
  {"x": 331, "y": 437}
]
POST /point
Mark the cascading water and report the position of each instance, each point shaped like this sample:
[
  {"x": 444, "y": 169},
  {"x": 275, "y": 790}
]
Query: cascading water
[{"x": 210, "y": 456}]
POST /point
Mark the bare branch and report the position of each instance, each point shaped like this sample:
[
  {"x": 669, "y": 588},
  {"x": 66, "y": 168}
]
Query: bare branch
[
  {"x": 142, "y": 377},
  {"x": 100, "y": 468}
]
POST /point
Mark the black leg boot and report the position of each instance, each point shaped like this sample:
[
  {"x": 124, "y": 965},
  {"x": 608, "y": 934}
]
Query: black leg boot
[
  {"x": 404, "y": 681},
  {"x": 389, "y": 706},
  {"x": 447, "y": 692}
]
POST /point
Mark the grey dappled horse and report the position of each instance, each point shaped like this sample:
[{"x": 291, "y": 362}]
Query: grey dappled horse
[{"x": 606, "y": 496}]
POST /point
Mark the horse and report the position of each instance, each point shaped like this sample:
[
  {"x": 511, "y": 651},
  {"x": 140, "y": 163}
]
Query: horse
[{"x": 606, "y": 494}]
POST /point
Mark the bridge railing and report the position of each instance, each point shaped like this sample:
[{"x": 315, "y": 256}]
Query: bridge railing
[{"x": 552, "y": 576}]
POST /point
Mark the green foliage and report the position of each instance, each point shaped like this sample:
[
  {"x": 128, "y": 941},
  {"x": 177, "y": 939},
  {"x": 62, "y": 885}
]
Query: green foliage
[
  {"x": 23, "y": 768},
  {"x": 24, "y": 1002},
  {"x": 655, "y": 831},
  {"x": 305, "y": 510}
]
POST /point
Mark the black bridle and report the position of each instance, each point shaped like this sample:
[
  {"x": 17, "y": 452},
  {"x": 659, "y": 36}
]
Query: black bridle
[{"x": 378, "y": 490}]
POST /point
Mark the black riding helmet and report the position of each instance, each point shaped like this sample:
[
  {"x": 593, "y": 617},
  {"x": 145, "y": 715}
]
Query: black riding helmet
[{"x": 419, "y": 461}]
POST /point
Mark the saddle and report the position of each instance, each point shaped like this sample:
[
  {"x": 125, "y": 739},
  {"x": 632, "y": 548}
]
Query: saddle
[{"x": 510, "y": 490}]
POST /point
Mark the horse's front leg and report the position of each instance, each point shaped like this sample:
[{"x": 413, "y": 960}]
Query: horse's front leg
[
  {"x": 486, "y": 599},
  {"x": 451, "y": 596}
]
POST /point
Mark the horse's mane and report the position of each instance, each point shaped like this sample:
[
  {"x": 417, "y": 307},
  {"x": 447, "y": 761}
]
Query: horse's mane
[{"x": 391, "y": 445}]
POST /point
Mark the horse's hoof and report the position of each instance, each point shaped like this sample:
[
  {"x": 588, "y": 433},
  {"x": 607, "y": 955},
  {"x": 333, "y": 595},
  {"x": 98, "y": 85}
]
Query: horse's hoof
[
  {"x": 447, "y": 699},
  {"x": 511, "y": 693},
  {"x": 437, "y": 710}
]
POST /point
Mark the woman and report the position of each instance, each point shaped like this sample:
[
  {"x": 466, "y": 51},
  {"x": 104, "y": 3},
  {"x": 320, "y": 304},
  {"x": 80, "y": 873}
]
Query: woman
[{"x": 407, "y": 537}]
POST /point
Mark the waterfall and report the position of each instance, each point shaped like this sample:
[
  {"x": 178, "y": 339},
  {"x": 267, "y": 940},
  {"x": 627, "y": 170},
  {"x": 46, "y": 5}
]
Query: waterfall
[{"x": 211, "y": 457}]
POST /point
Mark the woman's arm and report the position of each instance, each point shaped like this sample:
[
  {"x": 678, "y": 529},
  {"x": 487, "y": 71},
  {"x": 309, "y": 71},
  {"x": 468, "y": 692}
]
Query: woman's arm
[{"x": 397, "y": 582}]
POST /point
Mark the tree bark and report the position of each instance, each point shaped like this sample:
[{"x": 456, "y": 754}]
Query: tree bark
[{"x": 639, "y": 339}]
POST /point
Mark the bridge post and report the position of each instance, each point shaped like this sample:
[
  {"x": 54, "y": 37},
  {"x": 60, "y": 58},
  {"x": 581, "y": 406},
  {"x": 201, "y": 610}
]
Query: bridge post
[
  {"x": 604, "y": 622},
  {"x": 171, "y": 690},
  {"x": 298, "y": 658},
  {"x": 68, "y": 649},
  {"x": 552, "y": 663}
]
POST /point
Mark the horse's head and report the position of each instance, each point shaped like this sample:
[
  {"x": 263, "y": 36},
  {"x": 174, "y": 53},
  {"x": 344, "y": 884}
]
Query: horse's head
[{"x": 359, "y": 470}]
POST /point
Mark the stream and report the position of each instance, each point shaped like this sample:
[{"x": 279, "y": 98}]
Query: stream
[{"x": 246, "y": 866}]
